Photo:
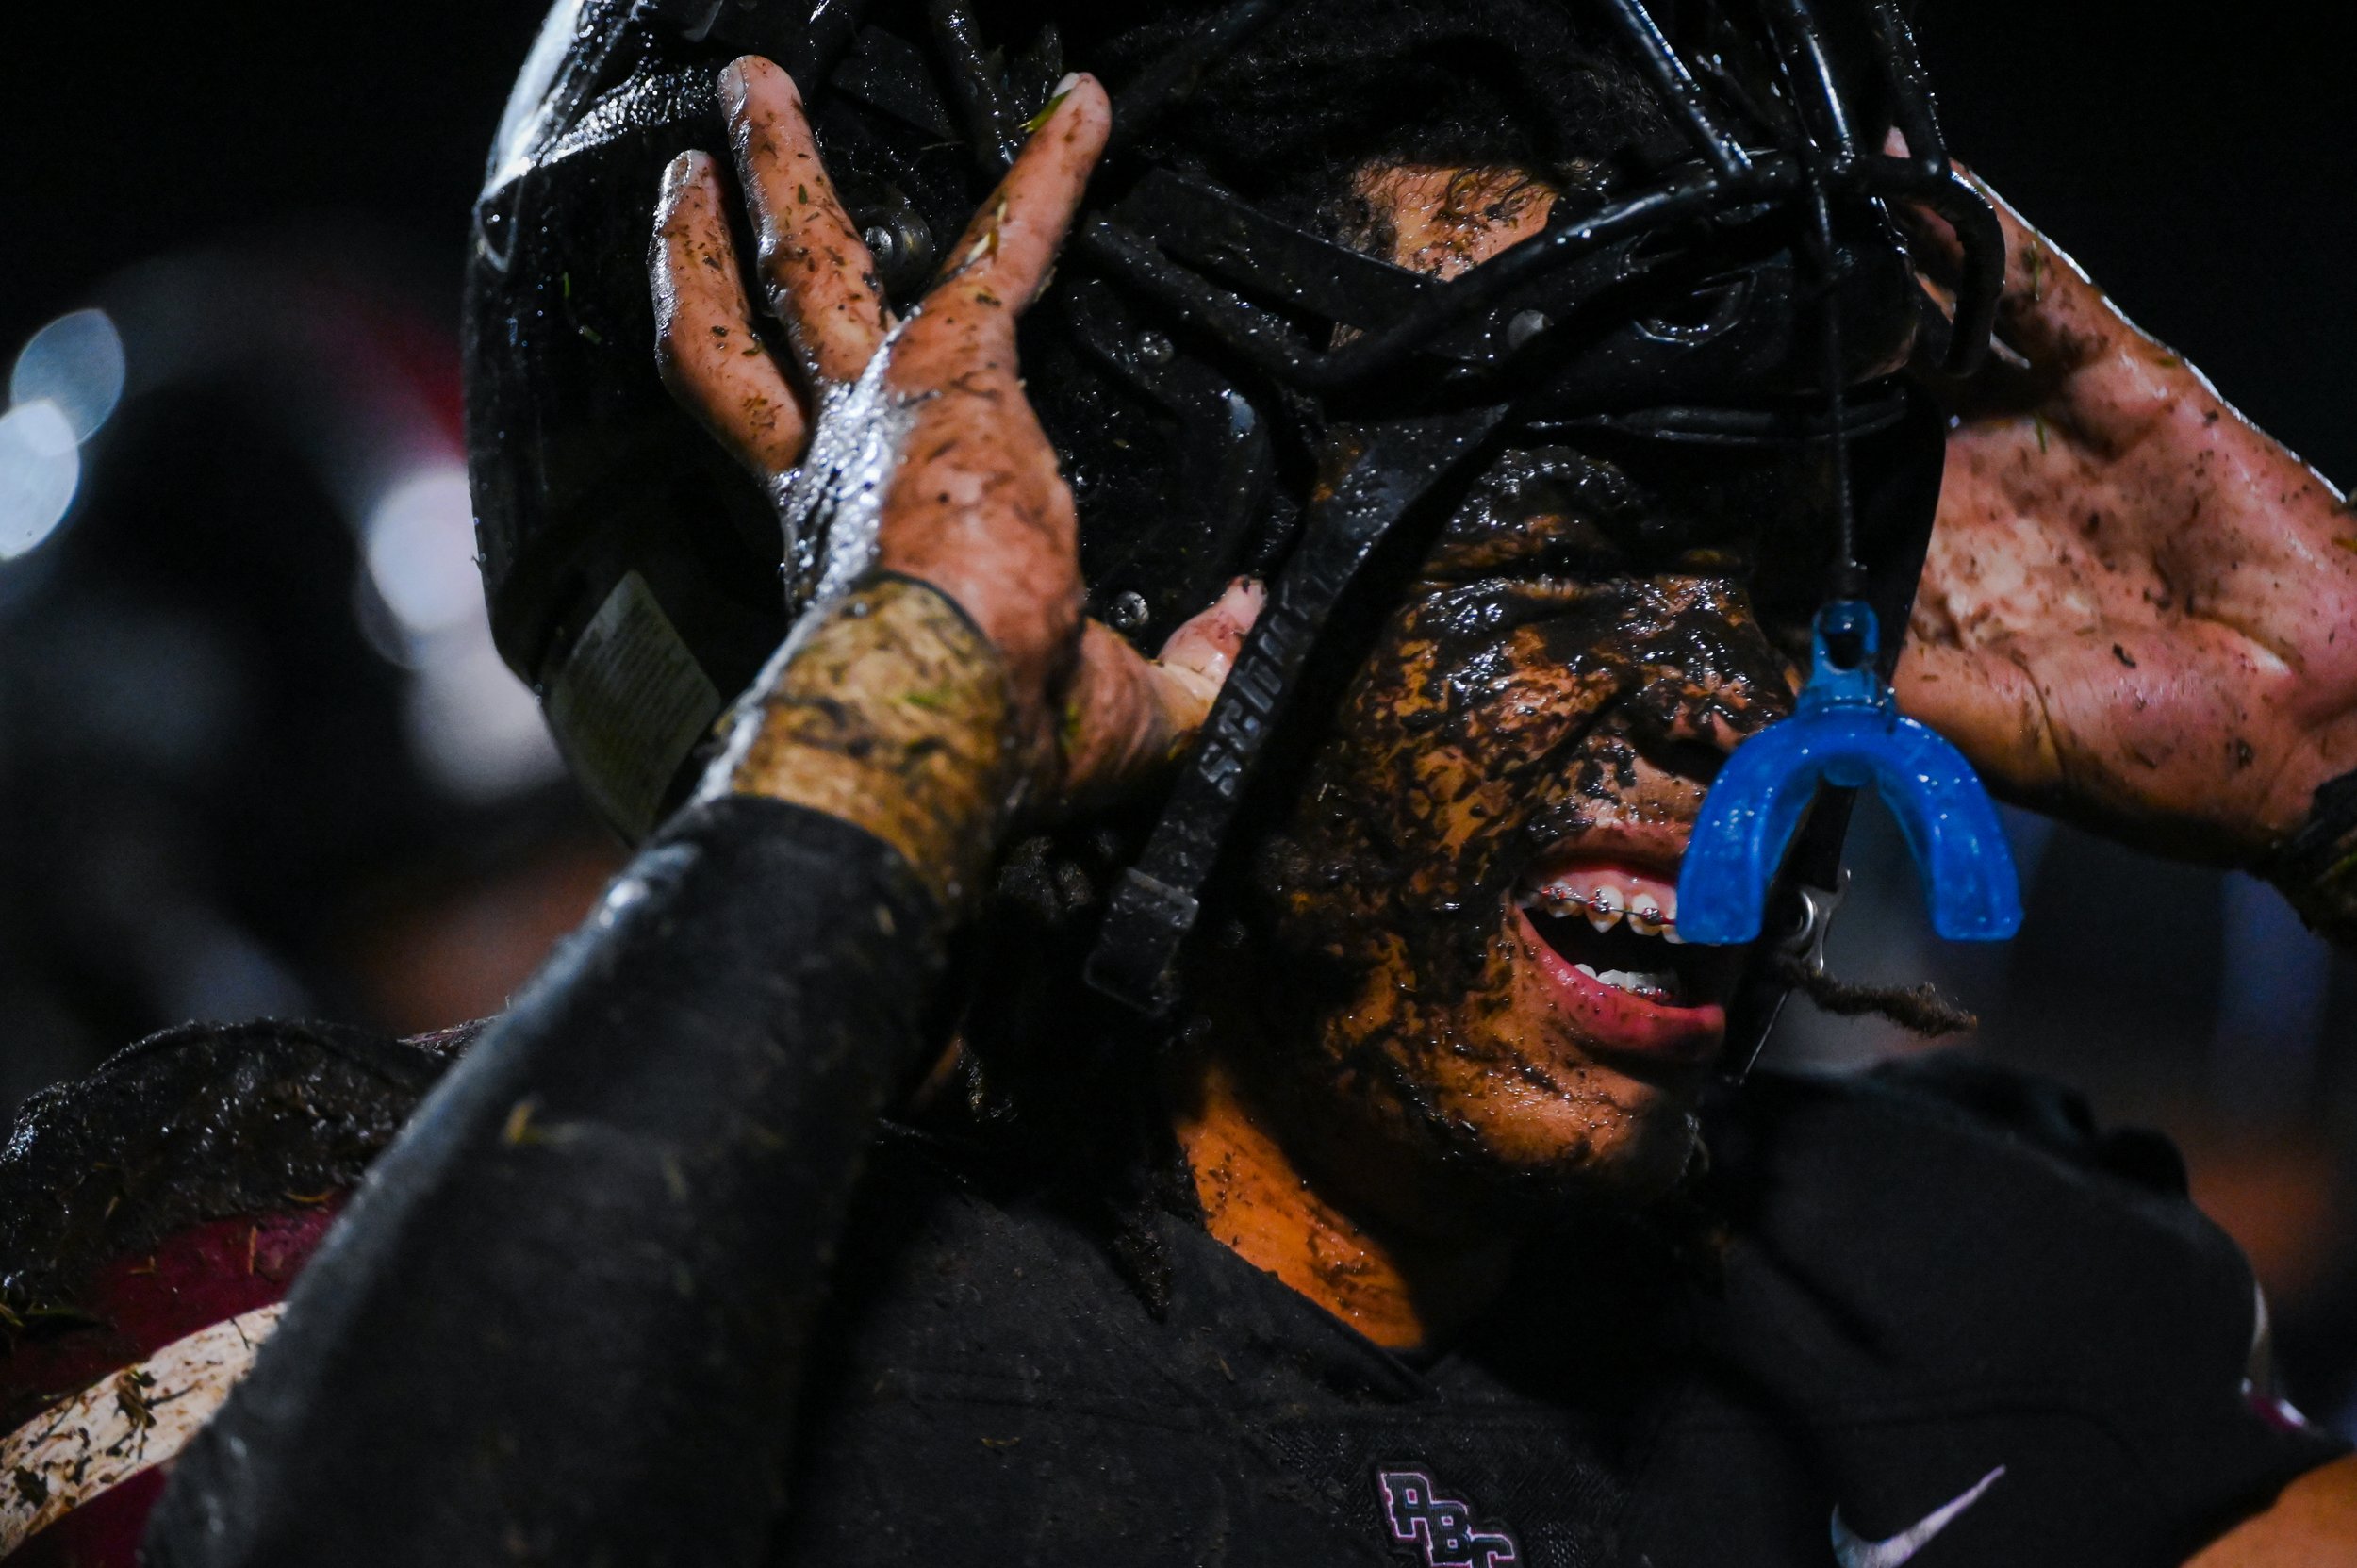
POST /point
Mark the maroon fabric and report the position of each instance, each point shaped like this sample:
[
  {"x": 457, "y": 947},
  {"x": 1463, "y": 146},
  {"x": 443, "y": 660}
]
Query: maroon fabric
[
  {"x": 193, "y": 1279},
  {"x": 198, "y": 1278},
  {"x": 102, "y": 1533},
  {"x": 111, "y": 1189}
]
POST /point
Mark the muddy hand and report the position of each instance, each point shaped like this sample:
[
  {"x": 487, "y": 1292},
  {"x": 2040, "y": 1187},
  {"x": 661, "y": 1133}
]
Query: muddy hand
[
  {"x": 972, "y": 502},
  {"x": 2136, "y": 603}
]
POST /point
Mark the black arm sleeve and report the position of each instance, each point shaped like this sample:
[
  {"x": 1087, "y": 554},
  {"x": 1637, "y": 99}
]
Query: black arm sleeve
[{"x": 563, "y": 1320}]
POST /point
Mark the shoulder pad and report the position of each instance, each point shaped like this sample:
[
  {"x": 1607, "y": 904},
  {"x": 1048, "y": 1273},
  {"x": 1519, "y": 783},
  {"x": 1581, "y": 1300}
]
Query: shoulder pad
[{"x": 152, "y": 1216}]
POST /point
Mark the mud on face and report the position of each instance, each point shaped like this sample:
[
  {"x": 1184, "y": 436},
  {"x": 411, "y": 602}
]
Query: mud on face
[{"x": 1580, "y": 647}]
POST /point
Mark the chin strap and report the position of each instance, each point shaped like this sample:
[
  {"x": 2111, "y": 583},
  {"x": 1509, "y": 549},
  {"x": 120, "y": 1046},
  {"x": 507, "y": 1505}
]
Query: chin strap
[
  {"x": 1800, "y": 908},
  {"x": 1397, "y": 464}
]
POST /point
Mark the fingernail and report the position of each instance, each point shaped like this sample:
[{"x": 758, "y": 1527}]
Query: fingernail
[
  {"x": 1055, "y": 101},
  {"x": 733, "y": 88}
]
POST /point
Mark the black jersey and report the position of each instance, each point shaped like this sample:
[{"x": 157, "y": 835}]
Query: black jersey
[
  {"x": 619, "y": 1294},
  {"x": 1958, "y": 1333},
  {"x": 1937, "y": 1306}
]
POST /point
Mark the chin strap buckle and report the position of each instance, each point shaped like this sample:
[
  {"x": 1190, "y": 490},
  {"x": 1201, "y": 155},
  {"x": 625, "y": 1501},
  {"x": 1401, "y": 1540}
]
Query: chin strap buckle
[{"x": 1806, "y": 945}]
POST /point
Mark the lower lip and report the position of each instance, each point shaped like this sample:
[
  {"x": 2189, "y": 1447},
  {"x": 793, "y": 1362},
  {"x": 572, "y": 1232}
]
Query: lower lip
[{"x": 1622, "y": 1022}]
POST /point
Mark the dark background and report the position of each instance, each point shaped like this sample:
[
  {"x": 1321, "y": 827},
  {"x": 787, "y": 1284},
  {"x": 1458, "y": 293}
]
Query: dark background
[{"x": 2196, "y": 162}]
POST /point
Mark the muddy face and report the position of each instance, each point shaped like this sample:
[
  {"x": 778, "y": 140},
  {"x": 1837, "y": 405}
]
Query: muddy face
[
  {"x": 1468, "y": 978},
  {"x": 1480, "y": 868}
]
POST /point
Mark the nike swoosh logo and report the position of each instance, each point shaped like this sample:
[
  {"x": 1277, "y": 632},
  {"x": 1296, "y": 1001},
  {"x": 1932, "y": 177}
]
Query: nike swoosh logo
[{"x": 1852, "y": 1552}]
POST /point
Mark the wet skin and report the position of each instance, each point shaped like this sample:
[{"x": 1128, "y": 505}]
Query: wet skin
[{"x": 1546, "y": 699}]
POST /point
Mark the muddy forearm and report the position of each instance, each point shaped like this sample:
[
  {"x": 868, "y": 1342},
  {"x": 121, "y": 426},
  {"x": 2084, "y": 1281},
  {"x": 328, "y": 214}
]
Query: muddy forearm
[
  {"x": 889, "y": 711},
  {"x": 663, "y": 1133}
]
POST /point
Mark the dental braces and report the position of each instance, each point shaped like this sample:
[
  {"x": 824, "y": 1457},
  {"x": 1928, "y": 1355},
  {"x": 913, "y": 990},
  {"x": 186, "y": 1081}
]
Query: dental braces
[{"x": 1594, "y": 907}]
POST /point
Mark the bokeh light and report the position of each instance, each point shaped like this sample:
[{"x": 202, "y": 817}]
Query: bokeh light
[
  {"x": 419, "y": 538},
  {"x": 39, "y": 467},
  {"x": 474, "y": 728},
  {"x": 76, "y": 363}
]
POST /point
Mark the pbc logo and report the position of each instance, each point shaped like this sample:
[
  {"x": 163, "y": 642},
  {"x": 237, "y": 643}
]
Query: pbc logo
[{"x": 1441, "y": 1527}]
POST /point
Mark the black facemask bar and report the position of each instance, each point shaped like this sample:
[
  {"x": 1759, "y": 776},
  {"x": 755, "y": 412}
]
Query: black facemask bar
[{"x": 1469, "y": 319}]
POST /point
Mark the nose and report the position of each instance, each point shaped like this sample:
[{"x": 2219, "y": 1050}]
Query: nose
[{"x": 1703, "y": 671}]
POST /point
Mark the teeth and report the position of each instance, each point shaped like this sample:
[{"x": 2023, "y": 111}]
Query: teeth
[
  {"x": 1606, "y": 904},
  {"x": 1639, "y": 982}
]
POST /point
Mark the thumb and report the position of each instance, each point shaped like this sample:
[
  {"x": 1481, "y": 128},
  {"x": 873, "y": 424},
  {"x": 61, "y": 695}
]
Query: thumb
[{"x": 1126, "y": 718}]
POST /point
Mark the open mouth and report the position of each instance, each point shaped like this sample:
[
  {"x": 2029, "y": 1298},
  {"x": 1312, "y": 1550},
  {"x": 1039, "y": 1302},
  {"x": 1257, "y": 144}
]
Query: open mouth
[{"x": 1618, "y": 928}]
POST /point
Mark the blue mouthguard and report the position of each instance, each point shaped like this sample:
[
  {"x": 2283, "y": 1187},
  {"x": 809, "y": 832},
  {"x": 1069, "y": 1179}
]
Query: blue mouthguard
[{"x": 1847, "y": 731}]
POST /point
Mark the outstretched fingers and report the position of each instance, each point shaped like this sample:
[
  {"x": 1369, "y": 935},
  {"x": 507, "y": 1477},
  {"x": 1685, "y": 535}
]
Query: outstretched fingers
[
  {"x": 977, "y": 507},
  {"x": 1006, "y": 251},
  {"x": 816, "y": 272},
  {"x": 705, "y": 345}
]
